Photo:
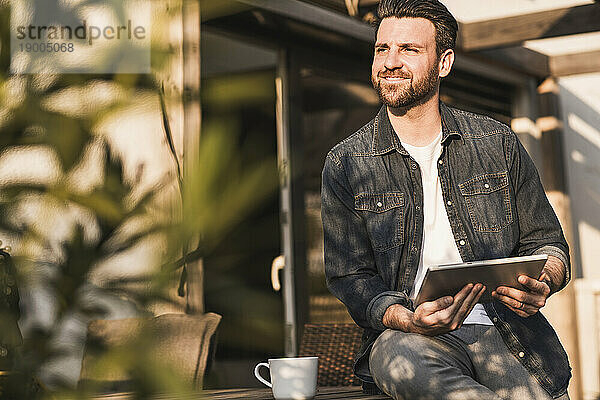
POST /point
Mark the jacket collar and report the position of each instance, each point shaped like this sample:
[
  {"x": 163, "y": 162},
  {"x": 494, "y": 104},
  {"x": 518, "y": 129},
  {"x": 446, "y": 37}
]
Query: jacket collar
[{"x": 386, "y": 140}]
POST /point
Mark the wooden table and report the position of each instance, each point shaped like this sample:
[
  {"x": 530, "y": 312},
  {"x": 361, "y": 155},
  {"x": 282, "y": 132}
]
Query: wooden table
[{"x": 323, "y": 393}]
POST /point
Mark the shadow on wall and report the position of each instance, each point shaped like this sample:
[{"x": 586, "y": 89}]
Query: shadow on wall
[{"x": 582, "y": 153}]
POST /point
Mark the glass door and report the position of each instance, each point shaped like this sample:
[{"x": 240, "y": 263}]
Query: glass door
[
  {"x": 337, "y": 99},
  {"x": 239, "y": 100}
]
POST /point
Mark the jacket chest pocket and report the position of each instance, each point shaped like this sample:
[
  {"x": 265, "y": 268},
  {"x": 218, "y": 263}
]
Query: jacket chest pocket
[
  {"x": 383, "y": 215},
  {"x": 488, "y": 201}
]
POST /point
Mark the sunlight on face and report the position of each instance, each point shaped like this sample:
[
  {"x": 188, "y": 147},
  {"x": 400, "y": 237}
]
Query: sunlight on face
[{"x": 405, "y": 66}]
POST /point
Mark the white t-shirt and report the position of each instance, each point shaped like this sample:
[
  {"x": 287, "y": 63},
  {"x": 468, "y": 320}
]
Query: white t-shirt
[{"x": 439, "y": 246}]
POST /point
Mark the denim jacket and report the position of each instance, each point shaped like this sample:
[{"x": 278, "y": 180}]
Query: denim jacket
[{"x": 372, "y": 212}]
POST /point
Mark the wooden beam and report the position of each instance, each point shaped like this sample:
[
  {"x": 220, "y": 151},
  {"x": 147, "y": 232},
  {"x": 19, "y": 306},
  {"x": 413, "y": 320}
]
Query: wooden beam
[
  {"x": 368, "y": 3},
  {"x": 541, "y": 65},
  {"x": 340, "y": 5},
  {"x": 522, "y": 59},
  {"x": 213, "y": 9},
  {"x": 519, "y": 28},
  {"x": 577, "y": 63},
  {"x": 337, "y": 5},
  {"x": 317, "y": 16}
]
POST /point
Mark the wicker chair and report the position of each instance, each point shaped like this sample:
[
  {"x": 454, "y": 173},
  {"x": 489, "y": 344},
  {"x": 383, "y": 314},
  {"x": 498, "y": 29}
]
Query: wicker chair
[{"x": 335, "y": 345}]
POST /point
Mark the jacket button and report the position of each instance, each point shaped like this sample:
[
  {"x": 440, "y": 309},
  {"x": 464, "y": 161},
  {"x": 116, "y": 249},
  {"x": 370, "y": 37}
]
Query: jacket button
[
  {"x": 440, "y": 162},
  {"x": 3, "y": 351},
  {"x": 487, "y": 186},
  {"x": 521, "y": 354},
  {"x": 495, "y": 319},
  {"x": 449, "y": 203},
  {"x": 414, "y": 166},
  {"x": 462, "y": 242},
  {"x": 379, "y": 204}
]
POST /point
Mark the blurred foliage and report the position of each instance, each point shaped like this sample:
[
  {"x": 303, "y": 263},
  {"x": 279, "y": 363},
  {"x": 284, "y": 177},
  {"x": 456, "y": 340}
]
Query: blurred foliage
[{"x": 208, "y": 202}]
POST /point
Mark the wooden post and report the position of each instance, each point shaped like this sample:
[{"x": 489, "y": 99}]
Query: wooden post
[
  {"x": 297, "y": 217},
  {"x": 180, "y": 79},
  {"x": 561, "y": 308},
  {"x": 191, "y": 133},
  {"x": 167, "y": 37}
]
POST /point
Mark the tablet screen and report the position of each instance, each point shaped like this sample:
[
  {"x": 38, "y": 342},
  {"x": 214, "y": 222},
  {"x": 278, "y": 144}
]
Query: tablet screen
[{"x": 448, "y": 279}]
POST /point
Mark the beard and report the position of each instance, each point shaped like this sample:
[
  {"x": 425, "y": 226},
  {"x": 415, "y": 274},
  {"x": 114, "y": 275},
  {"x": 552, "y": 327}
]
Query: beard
[{"x": 408, "y": 93}]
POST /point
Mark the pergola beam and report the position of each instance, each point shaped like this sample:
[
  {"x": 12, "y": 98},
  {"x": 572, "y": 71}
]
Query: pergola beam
[
  {"x": 483, "y": 36},
  {"x": 522, "y": 59},
  {"x": 317, "y": 16},
  {"x": 541, "y": 65},
  {"x": 516, "y": 29},
  {"x": 577, "y": 63}
]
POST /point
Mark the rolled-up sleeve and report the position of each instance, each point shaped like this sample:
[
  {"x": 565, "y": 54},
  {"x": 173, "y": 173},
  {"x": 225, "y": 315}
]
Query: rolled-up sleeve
[{"x": 539, "y": 229}]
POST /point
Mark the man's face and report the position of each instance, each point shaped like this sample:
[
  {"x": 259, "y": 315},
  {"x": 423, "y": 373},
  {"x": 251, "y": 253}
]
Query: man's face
[{"x": 405, "y": 65}]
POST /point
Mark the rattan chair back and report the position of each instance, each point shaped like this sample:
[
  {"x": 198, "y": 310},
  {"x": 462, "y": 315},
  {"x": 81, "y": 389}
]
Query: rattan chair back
[{"x": 335, "y": 345}]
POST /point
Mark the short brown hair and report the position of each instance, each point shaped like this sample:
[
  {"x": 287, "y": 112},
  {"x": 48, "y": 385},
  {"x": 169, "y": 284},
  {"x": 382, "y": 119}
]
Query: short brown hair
[{"x": 445, "y": 24}]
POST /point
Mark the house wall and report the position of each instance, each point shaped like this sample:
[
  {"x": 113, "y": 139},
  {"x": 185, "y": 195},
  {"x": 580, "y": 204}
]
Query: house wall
[{"x": 580, "y": 106}]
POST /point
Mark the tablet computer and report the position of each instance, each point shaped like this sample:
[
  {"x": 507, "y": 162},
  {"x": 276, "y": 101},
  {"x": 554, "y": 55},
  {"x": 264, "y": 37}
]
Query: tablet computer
[{"x": 448, "y": 279}]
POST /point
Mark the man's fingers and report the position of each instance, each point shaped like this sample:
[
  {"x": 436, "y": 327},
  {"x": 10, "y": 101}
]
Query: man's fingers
[
  {"x": 509, "y": 301},
  {"x": 534, "y": 285},
  {"x": 519, "y": 307},
  {"x": 525, "y": 311},
  {"x": 481, "y": 291},
  {"x": 442, "y": 310},
  {"x": 473, "y": 303},
  {"x": 459, "y": 299},
  {"x": 431, "y": 307},
  {"x": 462, "y": 295},
  {"x": 462, "y": 299},
  {"x": 519, "y": 312},
  {"x": 534, "y": 299},
  {"x": 468, "y": 304}
]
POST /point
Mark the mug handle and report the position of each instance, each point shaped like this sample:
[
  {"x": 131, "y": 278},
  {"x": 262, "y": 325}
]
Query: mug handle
[{"x": 257, "y": 373}]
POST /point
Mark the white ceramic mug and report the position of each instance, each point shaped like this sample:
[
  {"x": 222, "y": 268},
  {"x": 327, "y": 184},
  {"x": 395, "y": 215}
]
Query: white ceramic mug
[{"x": 292, "y": 378}]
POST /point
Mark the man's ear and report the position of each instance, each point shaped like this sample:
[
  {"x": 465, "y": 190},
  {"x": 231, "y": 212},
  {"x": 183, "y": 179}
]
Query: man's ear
[{"x": 446, "y": 62}]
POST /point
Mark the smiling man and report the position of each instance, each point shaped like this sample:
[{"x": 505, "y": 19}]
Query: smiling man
[{"x": 424, "y": 184}]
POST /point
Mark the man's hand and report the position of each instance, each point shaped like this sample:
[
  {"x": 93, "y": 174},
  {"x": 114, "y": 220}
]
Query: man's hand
[
  {"x": 435, "y": 317},
  {"x": 529, "y": 301},
  {"x": 524, "y": 303}
]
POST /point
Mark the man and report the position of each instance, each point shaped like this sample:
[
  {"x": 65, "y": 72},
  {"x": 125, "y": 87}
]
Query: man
[{"x": 423, "y": 184}]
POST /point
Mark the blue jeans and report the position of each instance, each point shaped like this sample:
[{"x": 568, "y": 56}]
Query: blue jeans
[{"x": 470, "y": 363}]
